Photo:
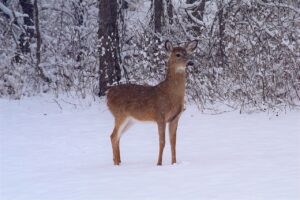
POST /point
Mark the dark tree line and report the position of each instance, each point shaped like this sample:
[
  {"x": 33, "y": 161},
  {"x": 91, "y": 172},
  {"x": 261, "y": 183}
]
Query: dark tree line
[{"x": 248, "y": 54}]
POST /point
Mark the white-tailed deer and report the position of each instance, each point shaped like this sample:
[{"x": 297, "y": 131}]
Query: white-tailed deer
[{"x": 162, "y": 103}]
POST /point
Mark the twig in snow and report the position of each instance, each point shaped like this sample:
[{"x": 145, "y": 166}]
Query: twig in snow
[{"x": 58, "y": 104}]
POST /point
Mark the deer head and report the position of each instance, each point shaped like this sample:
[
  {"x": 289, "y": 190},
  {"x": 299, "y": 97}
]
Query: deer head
[{"x": 179, "y": 56}]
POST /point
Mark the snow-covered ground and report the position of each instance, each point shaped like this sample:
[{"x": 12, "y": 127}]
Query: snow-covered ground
[{"x": 59, "y": 151}]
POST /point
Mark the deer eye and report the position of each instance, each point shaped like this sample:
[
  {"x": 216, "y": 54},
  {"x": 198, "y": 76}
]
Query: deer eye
[{"x": 178, "y": 55}]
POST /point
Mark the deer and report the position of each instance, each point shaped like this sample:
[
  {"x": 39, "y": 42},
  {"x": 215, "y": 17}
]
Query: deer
[{"x": 162, "y": 104}]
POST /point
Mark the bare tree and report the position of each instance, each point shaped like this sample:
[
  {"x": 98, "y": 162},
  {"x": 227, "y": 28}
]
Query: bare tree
[
  {"x": 38, "y": 69},
  {"x": 195, "y": 14}
]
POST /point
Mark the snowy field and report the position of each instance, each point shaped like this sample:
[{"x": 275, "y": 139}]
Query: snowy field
[{"x": 54, "y": 150}]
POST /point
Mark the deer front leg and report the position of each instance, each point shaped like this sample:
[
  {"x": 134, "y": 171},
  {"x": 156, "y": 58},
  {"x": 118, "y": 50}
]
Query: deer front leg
[
  {"x": 115, "y": 139},
  {"x": 172, "y": 132},
  {"x": 161, "y": 132}
]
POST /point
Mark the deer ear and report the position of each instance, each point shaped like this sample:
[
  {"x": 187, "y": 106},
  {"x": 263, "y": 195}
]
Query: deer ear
[
  {"x": 191, "y": 46},
  {"x": 168, "y": 46}
]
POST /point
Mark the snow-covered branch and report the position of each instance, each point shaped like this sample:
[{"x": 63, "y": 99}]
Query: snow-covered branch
[
  {"x": 190, "y": 6},
  {"x": 9, "y": 12},
  {"x": 279, "y": 5},
  {"x": 194, "y": 19}
]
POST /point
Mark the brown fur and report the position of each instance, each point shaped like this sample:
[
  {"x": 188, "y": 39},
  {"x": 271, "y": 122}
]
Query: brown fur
[{"x": 162, "y": 103}]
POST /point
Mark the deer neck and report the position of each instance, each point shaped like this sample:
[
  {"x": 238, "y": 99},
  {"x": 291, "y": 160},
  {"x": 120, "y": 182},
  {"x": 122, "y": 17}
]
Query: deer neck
[{"x": 175, "y": 80}]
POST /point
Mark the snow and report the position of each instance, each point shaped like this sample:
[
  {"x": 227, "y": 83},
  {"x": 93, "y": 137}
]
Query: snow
[{"x": 60, "y": 149}]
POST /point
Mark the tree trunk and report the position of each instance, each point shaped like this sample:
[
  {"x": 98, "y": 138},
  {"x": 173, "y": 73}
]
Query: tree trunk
[
  {"x": 28, "y": 32},
  {"x": 39, "y": 70},
  {"x": 109, "y": 49},
  {"x": 158, "y": 12},
  {"x": 78, "y": 12},
  {"x": 221, "y": 36},
  {"x": 170, "y": 11},
  {"x": 37, "y": 34}
]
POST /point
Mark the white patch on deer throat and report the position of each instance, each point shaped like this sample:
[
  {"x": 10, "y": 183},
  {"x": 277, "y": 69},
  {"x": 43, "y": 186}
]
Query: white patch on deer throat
[{"x": 180, "y": 69}]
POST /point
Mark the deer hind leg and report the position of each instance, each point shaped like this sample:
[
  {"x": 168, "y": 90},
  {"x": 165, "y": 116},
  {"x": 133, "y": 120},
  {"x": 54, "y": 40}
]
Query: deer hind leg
[
  {"x": 172, "y": 132},
  {"x": 161, "y": 132},
  {"x": 121, "y": 125},
  {"x": 114, "y": 144}
]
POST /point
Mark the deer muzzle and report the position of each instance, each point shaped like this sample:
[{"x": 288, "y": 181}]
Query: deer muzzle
[{"x": 190, "y": 63}]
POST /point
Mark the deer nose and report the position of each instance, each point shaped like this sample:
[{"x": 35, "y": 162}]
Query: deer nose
[{"x": 190, "y": 63}]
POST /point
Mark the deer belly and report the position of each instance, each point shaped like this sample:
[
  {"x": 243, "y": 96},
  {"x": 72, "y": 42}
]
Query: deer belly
[{"x": 143, "y": 116}]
